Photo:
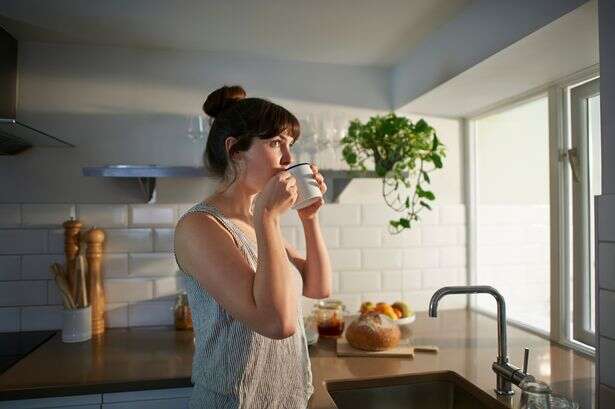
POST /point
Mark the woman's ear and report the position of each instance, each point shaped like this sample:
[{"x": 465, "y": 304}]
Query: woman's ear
[{"x": 228, "y": 144}]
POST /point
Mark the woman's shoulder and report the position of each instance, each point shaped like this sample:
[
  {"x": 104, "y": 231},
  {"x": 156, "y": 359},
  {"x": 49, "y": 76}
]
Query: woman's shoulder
[{"x": 200, "y": 224}]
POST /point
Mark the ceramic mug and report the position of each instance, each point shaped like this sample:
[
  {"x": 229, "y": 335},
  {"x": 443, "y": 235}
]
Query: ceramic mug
[
  {"x": 77, "y": 324},
  {"x": 308, "y": 191}
]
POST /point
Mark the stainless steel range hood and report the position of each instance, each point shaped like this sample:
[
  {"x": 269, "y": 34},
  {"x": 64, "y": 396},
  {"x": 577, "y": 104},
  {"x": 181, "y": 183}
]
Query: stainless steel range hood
[{"x": 15, "y": 135}]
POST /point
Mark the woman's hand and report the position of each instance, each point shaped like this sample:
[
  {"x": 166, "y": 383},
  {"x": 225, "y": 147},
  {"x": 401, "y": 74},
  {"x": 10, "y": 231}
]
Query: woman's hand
[
  {"x": 278, "y": 195},
  {"x": 308, "y": 213}
]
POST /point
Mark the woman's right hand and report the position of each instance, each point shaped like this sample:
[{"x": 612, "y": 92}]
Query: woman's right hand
[{"x": 278, "y": 195}]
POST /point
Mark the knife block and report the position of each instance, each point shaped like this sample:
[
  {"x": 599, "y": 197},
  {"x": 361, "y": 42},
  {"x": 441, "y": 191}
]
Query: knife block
[{"x": 96, "y": 292}]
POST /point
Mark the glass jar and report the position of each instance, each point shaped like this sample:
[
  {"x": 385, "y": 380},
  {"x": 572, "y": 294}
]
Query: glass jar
[
  {"x": 329, "y": 315},
  {"x": 182, "y": 313},
  {"x": 535, "y": 395}
]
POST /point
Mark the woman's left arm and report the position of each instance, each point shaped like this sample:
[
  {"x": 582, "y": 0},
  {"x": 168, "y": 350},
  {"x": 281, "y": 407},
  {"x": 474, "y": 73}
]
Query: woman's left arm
[{"x": 316, "y": 267}]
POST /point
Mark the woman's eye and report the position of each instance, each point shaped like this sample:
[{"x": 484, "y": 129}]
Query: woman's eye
[{"x": 275, "y": 143}]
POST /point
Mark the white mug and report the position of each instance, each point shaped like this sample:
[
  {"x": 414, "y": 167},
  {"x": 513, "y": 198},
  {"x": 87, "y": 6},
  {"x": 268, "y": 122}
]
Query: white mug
[{"x": 308, "y": 191}]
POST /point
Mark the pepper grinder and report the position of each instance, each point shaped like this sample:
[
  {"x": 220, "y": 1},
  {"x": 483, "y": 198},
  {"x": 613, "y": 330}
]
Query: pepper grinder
[
  {"x": 71, "y": 250},
  {"x": 96, "y": 292}
]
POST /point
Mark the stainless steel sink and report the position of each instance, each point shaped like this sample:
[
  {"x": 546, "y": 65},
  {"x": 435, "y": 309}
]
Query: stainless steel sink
[{"x": 434, "y": 390}]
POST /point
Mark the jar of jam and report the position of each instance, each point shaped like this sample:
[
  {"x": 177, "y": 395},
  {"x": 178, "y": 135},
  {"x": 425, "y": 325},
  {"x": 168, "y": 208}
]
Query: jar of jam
[
  {"x": 329, "y": 315},
  {"x": 182, "y": 313}
]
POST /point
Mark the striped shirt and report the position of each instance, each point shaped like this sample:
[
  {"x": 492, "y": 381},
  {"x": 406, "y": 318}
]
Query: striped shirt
[{"x": 234, "y": 366}]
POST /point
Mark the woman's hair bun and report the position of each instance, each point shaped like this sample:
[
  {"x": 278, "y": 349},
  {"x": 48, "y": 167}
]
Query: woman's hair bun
[{"x": 222, "y": 98}]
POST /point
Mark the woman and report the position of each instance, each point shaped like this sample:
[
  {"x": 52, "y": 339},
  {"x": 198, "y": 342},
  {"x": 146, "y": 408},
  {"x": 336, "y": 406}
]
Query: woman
[{"x": 245, "y": 297}]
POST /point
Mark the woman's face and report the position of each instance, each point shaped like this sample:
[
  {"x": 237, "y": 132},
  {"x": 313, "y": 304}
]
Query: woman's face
[{"x": 264, "y": 159}]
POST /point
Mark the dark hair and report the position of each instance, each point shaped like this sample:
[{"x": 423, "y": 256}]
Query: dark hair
[{"x": 245, "y": 119}]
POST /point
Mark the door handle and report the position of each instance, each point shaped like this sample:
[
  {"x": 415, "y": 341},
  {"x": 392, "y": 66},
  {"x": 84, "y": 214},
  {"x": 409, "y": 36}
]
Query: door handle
[{"x": 573, "y": 159}]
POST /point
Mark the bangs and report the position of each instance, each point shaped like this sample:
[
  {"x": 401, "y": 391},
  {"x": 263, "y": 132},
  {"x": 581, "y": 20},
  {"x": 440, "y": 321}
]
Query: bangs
[{"x": 275, "y": 120}]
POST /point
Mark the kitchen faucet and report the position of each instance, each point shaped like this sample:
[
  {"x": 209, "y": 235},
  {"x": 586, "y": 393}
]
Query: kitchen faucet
[{"x": 505, "y": 372}]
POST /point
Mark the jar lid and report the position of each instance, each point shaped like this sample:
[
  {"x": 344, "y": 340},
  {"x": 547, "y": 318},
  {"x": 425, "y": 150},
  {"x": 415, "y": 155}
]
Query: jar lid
[{"x": 330, "y": 304}]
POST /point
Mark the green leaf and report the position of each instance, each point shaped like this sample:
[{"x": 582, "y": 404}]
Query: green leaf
[
  {"x": 407, "y": 202},
  {"x": 435, "y": 142},
  {"x": 404, "y": 223},
  {"x": 426, "y": 177},
  {"x": 436, "y": 160},
  {"x": 425, "y": 204},
  {"x": 428, "y": 195}
]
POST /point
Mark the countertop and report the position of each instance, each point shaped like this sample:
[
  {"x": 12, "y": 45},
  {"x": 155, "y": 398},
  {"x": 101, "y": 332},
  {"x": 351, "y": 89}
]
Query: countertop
[{"x": 159, "y": 357}]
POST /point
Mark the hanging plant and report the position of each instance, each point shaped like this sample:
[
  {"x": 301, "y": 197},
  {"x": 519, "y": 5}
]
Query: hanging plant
[{"x": 403, "y": 154}]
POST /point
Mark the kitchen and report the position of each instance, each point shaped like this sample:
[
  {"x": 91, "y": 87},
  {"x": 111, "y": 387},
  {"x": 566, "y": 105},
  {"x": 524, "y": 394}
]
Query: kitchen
[{"x": 124, "y": 84}]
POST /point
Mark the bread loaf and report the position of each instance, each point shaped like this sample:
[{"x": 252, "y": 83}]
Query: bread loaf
[{"x": 373, "y": 331}]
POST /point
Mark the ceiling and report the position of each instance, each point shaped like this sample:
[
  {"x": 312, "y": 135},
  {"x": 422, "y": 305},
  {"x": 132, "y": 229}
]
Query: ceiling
[
  {"x": 354, "y": 32},
  {"x": 563, "y": 47}
]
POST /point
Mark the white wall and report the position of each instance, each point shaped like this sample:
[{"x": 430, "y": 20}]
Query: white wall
[{"x": 121, "y": 105}]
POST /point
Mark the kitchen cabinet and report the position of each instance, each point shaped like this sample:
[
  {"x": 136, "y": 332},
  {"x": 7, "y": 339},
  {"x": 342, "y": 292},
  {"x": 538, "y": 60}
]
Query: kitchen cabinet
[{"x": 171, "y": 398}]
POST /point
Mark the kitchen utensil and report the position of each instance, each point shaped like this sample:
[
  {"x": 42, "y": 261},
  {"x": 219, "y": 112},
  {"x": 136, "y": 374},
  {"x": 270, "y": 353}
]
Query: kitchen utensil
[
  {"x": 95, "y": 238},
  {"x": 71, "y": 250},
  {"x": 60, "y": 280},
  {"x": 82, "y": 282}
]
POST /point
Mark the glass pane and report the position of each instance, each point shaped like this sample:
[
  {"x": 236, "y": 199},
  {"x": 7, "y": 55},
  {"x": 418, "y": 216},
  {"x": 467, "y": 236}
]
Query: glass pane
[
  {"x": 595, "y": 188},
  {"x": 513, "y": 211}
]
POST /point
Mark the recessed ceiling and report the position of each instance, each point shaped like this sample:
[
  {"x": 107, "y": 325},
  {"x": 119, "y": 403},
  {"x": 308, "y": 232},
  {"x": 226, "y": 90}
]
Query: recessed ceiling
[
  {"x": 355, "y": 32},
  {"x": 564, "y": 47}
]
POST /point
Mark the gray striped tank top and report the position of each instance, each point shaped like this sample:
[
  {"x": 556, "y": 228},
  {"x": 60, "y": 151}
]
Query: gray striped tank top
[{"x": 234, "y": 366}]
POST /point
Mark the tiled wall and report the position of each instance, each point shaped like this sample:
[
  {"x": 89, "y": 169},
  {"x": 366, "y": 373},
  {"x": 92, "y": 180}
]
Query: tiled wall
[
  {"x": 605, "y": 259},
  {"x": 140, "y": 271},
  {"x": 513, "y": 257}
]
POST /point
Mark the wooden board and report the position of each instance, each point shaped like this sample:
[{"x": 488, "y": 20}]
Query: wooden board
[{"x": 403, "y": 350}]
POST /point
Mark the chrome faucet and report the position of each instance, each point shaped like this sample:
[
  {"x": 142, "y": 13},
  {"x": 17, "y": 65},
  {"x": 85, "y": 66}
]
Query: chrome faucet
[{"x": 506, "y": 374}]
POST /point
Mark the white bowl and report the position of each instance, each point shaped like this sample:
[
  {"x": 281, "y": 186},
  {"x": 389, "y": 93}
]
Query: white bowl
[{"x": 406, "y": 321}]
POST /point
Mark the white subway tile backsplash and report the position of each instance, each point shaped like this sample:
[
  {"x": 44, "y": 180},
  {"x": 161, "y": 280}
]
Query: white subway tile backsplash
[
  {"x": 330, "y": 234},
  {"x": 361, "y": 237},
  {"x": 129, "y": 240},
  {"x": 351, "y": 301},
  {"x": 423, "y": 257},
  {"x": 163, "y": 239},
  {"x": 150, "y": 313},
  {"x": 10, "y": 215},
  {"x": 290, "y": 218},
  {"x": 419, "y": 301},
  {"x": 342, "y": 259},
  {"x": 16, "y": 293},
  {"x": 19, "y": 241},
  {"x": 452, "y": 256},
  {"x": 152, "y": 215},
  {"x": 9, "y": 319},
  {"x": 53, "y": 294},
  {"x": 41, "y": 215},
  {"x": 411, "y": 280},
  {"x": 290, "y": 234},
  {"x": 452, "y": 214},
  {"x": 358, "y": 281},
  {"x": 605, "y": 217},
  {"x": 114, "y": 265},
  {"x": 151, "y": 264},
  {"x": 499, "y": 215},
  {"x": 429, "y": 217},
  {"x": 55, "y": 241},
  {"x": 439, "y": 277},
  {"x": 340, "y": 215},
  {"x": 119, "y": 290},
  {"x": 36, "y": 267},
  {"x": 103, "y": 215},
  {"x": 382, "y": 258},
  {"x": 335, "y": 282},
  {"x": 378, "y": 215},
  {"x": 405, "y": 238},
  {"x": 607, "y": 357},
  {"x": 116, "y": 315},
  {"x": 461, "y": 235},
  {"x": 46, "y": 317},
  {"x": 606, "y": 265},
  {"x": 392, "y": 280},
  {"x": 501, "y": 235},
  {"x": 438, "y": 235},
  {"x": 10, "y": 268},
  {"x": 606, "y": 300},
  {"x": 167, "y": 286}
]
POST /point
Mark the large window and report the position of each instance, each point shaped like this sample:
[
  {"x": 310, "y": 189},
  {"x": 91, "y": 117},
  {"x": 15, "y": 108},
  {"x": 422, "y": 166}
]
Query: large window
[{"x": 535, "y": 169}]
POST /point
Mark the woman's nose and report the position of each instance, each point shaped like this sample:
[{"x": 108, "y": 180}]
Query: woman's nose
[{"x": 287, "y": 157}]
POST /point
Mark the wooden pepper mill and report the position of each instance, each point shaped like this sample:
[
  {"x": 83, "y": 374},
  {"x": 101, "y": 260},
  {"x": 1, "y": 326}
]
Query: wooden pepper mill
[
  {"x": 72, "y": 228},
  {"x": 96, "y": 292}
]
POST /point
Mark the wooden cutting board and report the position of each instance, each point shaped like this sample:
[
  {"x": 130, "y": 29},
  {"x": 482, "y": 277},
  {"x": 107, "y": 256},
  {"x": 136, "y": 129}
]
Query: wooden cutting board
[{"x": 403, "y": 350}]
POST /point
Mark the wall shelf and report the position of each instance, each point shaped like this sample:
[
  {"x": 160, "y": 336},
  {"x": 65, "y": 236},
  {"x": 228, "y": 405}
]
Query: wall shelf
[{"x": 146, "y": 175}]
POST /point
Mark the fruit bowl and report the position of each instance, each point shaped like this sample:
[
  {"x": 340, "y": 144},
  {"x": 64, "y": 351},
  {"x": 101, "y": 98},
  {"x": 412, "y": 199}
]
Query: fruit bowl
[{"x": 405, "y": 321}]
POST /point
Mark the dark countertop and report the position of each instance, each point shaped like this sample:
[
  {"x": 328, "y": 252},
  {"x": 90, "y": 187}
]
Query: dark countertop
[
  {"x": 14, "y": 346},
  {"x": 159, "y": 357}
]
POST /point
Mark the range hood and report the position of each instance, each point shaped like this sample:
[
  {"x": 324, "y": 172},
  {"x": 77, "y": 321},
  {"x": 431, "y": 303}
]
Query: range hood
[{"x": 15, "y": 135}]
